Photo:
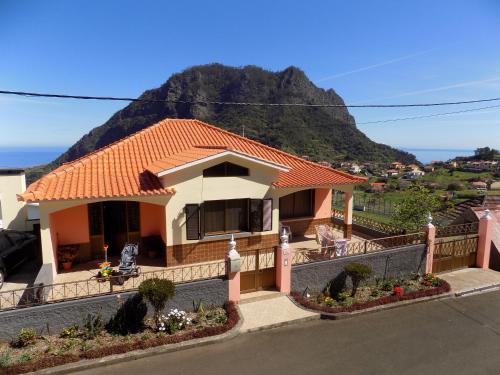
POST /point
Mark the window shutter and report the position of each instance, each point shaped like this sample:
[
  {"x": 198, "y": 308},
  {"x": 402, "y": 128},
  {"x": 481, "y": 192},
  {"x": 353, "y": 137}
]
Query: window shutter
[
  {"x": 192, "y": 221},
  {"x": 202, "y": 221},
  {"x": 256, "y": 215},
  {"x": 267, "y": 215}
]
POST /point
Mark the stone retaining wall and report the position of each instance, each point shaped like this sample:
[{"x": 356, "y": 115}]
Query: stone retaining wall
[
  {"x": 388, "y": 263},
  {"x": 56, "y": 316}
]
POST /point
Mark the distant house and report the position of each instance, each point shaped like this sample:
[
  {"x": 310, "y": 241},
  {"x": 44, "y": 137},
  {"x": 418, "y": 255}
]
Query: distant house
[
  {"x": 429, "y": 168},
  {"x": 325, "y": 164},
  {"x": 412, "y": 167},
  {"x": 416, "y": 173},
  {"x": 355, "y": 169},
  {"x": 495, "y": 185},
  {"x": 397, "y": 165},
  {"x": 377, "y": 186},
  {"x": 479, "y": 185},
  {"x": 392, "y": 172}
]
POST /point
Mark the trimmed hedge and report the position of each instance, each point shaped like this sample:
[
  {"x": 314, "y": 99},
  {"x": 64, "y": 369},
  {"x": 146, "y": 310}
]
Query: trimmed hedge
[
  {"x": 21, "y": 368},
  {"x": 443, "y": 288}
]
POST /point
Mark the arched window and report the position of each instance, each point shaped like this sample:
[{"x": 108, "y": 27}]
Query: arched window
[{"x": 225, "y": 169}]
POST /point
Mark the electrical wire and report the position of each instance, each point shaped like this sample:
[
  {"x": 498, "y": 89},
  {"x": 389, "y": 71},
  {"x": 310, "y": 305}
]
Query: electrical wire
[{"x": 206, "y": 102}]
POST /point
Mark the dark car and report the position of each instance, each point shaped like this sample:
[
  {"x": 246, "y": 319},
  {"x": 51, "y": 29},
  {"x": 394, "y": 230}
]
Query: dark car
[{"x": 15, "y": 248}]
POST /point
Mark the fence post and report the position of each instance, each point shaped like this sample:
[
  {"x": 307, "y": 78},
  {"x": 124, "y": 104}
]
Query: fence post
[
  {"x": 430, "y": 230},
  {"x": 283, "y": 265},
  {"x": 233, "y": 278},
  {"x": 484, "y": 241}
]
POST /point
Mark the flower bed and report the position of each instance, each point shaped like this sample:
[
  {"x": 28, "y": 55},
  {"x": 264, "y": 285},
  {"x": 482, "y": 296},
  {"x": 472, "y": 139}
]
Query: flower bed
[
  {"x": 374, "y": 295},
  {"x": 33, "y": 353}
]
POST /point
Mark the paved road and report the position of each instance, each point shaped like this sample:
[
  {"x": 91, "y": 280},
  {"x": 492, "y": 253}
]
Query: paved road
[{"x": 454, "y": 336}]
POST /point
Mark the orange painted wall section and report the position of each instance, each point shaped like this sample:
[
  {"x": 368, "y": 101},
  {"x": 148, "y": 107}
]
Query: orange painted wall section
[
  {"x": 70, "y": 226},
  {"x": 152, "y": 220},
  {"x": 323, "y": 203}
]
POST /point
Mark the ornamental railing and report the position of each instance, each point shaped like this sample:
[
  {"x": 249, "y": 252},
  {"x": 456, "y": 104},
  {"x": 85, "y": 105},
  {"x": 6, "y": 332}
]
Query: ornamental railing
[
  {"x": 301, "y": 256},
  {"x": 51, "y": 293},
  {"x": 458, "y": 230},
  {"x": 369, "y": 223}
]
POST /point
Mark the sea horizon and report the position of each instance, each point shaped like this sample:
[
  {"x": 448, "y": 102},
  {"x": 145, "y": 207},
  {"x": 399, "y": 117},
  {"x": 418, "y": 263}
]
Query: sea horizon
[{"x": 29, "y": 156}]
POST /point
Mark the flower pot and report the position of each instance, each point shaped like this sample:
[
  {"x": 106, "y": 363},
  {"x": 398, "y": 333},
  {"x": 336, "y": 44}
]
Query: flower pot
[{"x": 66, "y": 265}]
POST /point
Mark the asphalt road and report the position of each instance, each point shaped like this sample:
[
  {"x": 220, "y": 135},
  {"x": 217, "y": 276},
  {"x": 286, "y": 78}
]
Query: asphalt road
[{"x": 453, "y": 336}]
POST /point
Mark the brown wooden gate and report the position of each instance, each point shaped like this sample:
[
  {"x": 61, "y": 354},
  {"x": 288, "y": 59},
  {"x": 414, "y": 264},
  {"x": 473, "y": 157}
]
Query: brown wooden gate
[
  {"x": 454, "y": 254},
  {"x": 258, "y": 269}
]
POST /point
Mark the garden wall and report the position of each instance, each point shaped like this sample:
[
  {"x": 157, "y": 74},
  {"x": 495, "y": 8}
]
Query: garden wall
[
  {"x": 54, "y": 317},
  {"x": 388, "y": 263}
]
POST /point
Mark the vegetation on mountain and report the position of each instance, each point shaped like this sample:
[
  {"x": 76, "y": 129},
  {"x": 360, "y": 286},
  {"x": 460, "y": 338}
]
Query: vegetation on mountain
[{"x": 328, "y": 134}]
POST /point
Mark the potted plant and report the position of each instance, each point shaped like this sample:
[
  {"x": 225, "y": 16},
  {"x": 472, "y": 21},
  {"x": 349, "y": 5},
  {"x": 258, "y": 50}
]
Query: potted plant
[{"x": 66, "y": 255}]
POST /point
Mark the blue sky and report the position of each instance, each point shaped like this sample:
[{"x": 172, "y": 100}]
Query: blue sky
[{"x": 369, "y": 52}]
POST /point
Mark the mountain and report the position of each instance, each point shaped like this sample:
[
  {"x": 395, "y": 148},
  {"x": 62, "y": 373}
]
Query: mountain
[{"x": 320, "y": 133}]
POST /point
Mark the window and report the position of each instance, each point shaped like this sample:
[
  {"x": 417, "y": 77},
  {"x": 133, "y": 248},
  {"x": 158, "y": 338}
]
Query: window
[
  {"x": 299, "y": 204},
  {"x": 225, "y": 169},
  {"x": 228, "y": 216}
]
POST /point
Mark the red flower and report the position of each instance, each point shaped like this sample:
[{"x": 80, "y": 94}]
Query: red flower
[{"x": 398, "y": 291}]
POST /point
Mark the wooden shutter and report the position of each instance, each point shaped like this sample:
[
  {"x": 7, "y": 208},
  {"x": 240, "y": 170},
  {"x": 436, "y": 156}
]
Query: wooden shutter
[
  {"x": 192, "y": 221},
  {"x": 202, "y": 220},
  {"x": 267, "y": 215},
  {"x": 256, "y": 215}
]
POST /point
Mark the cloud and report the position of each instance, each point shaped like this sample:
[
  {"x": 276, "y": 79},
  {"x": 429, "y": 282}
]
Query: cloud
[{"x": 369, "y": 67}]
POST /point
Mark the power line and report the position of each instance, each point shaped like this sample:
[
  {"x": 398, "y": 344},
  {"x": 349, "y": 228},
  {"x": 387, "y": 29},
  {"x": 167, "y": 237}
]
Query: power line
[
  {"x": 427, "y": 116},
  {"x": 203, "y": 102}
]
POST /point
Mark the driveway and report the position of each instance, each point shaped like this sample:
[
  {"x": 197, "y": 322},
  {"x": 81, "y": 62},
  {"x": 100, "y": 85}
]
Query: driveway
[{"x": 453, "y": 336}]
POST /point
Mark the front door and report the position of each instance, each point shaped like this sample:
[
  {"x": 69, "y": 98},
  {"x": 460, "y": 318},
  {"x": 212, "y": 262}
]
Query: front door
[
  {"x": 113, "y": 223},
  {"x": 258, "y": 270}
]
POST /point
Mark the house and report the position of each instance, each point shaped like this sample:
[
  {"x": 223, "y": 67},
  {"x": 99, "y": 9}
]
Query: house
[
  {"x": 189, "y": 183},
  {"x": 355, "y": 169},
  {"x": 377, "y": 186},
  {"x": 397, "y": 165},
  {"x": 392, "y": 172},
  {"x": 416, "y": 173},
  {"x": 479, "y": 185},
  {"x": 13, "y": 214},
  {"x": 429, "y": 168},
  {"x": 412, "y": 167}
]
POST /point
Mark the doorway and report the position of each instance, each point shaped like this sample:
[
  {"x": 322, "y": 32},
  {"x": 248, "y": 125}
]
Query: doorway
[{"x": 114, "y": 223}]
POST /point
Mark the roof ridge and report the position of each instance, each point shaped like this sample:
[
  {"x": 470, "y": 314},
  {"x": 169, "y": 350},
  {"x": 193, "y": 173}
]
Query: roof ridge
[{"x": 276, "y": 150}]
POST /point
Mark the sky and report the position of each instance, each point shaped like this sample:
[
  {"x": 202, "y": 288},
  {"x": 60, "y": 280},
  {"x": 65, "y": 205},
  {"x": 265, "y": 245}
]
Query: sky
[{"x": 368, "y": 52}]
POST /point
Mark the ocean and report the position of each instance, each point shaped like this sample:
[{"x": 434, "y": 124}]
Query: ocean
[
  {"x": 23, "y": 157},
  {"x": 426, "y": 155}
]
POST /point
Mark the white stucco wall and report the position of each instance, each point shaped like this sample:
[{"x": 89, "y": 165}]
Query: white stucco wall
[{"x": 13, "y": 213}]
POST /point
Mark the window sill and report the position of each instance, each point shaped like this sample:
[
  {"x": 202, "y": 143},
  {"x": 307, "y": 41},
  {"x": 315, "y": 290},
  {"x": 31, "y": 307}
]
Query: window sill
[
  {"x": 297, "y": 219},
  {"x": 216, "y": 237}
]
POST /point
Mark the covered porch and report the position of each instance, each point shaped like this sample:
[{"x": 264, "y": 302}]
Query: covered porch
[{"x": 77, "y": 234}]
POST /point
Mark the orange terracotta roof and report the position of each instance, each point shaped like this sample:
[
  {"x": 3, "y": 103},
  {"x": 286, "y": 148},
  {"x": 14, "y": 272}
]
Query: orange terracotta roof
[{"x": 123, "y": 168}]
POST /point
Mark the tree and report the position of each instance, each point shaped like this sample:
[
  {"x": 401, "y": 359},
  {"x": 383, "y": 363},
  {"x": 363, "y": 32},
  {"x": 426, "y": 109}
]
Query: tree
[
  {"x": 411, "y": 212},
  {"x": 157, "y": 292},
  {"x": 485, "y": 153},
  {"x": 358, "y": 272}
]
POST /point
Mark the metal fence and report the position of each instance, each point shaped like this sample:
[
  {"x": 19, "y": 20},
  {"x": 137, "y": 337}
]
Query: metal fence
[
  {"x": 369, "y": 223},
  {"x": 37, "y": 295},
  {"x": 362, "y": 202},
  {"x": 458, "y": 230},
  {"x": 301, "y": 256}
]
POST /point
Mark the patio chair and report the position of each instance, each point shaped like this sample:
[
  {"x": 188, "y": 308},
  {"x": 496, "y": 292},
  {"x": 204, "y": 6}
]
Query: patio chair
[
  {"x": 340, "y": 247},
  {"x": 325, "y": 237}
]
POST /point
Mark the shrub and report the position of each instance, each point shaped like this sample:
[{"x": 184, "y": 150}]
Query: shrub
[
  {"x": 69, "y": 332},
  {"x": 5, "y": 358},
  {"x": 130, "y": 317},
  {"x": 358, "y": 272},
  {"x": 93, "y": 326},
  {"x": 26, "y": 336},
  {"x": 157, "y": 292},
  {"x": 174, "y": 321}
]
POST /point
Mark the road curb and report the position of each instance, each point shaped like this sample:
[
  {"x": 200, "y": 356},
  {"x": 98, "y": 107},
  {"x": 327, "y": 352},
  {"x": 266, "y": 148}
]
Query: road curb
[
  {"x": 389, "y": 306},
  {"x": 87, "y": 364},
  {"x": 487, "y": 288}
]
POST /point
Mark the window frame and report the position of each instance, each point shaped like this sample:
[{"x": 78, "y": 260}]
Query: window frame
[
  {"x": 225, "y": 217},
  {"x": 245, "y": 172},
  {"x": 294, "y": 215}
]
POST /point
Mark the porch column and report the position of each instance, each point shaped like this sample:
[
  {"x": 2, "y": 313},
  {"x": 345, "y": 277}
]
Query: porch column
[
  {"x": 484, "y": 241},
  {"x": 430, "y": 230},
  {"x": 233, "y": 264},
  {"x": 283, "y": 265},
  {"x": 348, "y": 214}
]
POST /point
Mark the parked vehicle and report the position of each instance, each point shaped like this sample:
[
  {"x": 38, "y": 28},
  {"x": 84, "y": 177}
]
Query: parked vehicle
[{"x": 15, "y": 249}]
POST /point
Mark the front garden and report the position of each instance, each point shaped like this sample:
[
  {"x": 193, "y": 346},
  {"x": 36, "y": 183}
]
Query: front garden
[
  {"x": 129, "y": 329},
  {"x": 368, "y": 292}
]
